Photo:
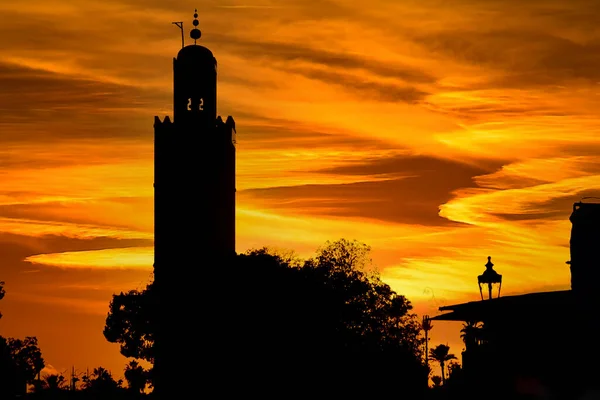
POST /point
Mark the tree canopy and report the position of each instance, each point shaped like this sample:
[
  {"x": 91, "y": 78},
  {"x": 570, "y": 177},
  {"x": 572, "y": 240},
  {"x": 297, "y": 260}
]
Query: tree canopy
[
  {"x": 328, "y": 321},
  {"x": 136, "y": 376},
  {"x": 20, "y": 362},
  {"x": 130, "y": 323}
]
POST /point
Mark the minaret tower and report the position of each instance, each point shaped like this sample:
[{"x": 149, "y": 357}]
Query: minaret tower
[
  {"x": 194, "y": 200},
  {"x": 194, "y": 162}
]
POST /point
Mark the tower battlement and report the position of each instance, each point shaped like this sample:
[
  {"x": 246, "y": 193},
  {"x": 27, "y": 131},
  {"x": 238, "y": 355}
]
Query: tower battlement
[
  {"x": 158, "y": 122},
  {"x": 228, "y": 124},
  {"x": 222, "y": 129},
  {"x": 227, "y": 128}
]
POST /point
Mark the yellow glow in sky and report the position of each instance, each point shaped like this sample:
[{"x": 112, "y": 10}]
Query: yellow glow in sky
[{"x": 437, "y": 133}]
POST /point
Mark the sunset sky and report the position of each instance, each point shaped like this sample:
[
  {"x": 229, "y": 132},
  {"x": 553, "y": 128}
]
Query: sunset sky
[{"x": 437, "y": 132}]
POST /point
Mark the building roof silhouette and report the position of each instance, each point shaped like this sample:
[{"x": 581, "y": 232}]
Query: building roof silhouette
[
  {"x": 481, "y": 310},
  {"x": 584, "y": 277}
]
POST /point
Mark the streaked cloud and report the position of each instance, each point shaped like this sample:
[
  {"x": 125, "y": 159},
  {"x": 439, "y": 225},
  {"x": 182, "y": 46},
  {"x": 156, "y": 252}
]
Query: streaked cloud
[
  {"x": 141, "y": 258},
  {"x": 411, "y": 191},
  {"x": 438, "y": 134}
]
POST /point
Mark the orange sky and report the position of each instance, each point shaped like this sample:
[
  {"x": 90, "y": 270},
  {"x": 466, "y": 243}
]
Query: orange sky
[{"x": 437, "y": 132}]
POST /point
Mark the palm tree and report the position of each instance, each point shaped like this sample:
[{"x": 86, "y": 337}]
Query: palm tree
[
  {"x": 441, "y": 354},
  {"x": 426, "y": 325},
  {"x": 471, "y": 334}
]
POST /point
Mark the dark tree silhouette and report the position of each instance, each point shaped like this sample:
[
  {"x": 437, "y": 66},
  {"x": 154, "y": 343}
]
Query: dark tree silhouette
[
  {"x": 437, "y": 381},
  {"x": 441, "y": 354},
  {"x": 54, "y": 382},
  {"x": 101, "y": 384},
  {"x": 129, "y": 323},
  {"x": 328, "y": 323},
  {"x": 21, "y": 362},
  {"x": 27, "y": 356},
  {"x": 50, "y": 386},
  {"x": 470, "y": 333},
  {"x": 136, "y": 377},
  {"x": 454, "y": 370}
]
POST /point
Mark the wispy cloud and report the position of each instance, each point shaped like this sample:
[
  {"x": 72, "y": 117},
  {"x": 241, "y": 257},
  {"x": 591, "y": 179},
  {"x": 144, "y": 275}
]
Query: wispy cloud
[
  {"x": 439, "y": 134},
  {"x": 138, "y": 258}
]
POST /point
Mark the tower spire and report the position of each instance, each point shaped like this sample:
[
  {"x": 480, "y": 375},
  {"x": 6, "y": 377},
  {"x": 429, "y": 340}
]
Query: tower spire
[{"x": 195, "y": 33}]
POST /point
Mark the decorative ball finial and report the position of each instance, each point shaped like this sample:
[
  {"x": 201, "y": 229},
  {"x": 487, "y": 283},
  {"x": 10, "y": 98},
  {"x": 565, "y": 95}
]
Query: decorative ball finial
[{"x": 195, "y": 33}]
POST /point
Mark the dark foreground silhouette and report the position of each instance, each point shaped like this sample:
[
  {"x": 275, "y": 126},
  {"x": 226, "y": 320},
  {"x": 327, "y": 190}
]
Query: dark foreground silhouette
[
  {"x": 532, "y": 345},
  {"x": 279, "y": 327},
  {"x": 264, "y": 324}
]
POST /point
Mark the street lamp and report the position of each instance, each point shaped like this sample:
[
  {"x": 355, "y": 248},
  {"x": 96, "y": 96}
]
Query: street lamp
[{"x": 489, "y": 277}]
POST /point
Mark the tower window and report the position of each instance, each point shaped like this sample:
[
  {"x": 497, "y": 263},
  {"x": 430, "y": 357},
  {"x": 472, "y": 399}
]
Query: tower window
[{"x": 195, "y": 105}]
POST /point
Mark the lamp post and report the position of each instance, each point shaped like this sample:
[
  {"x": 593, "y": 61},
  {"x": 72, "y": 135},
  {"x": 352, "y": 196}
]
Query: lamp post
[{"x": 489, "y": 277}]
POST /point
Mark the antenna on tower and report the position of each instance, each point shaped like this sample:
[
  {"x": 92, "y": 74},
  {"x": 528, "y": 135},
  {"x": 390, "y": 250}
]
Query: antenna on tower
[{"x": 180, "y": 25}]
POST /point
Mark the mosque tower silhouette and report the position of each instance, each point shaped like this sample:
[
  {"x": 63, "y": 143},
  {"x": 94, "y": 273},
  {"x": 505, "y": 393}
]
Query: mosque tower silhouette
[{"x": 194, "y": 206}]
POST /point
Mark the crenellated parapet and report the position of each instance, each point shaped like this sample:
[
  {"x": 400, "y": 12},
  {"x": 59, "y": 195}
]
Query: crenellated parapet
[
  {"x": 224, "y": 129},
  {"x": 162, "y": 129},
  {"x": 158, "y": 122},
  {"x": 227, "y": 128}
]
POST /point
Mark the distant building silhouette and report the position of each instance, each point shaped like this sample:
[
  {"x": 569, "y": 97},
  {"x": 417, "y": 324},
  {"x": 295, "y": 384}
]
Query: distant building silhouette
[
  {"x": 194, "y": 210},
  {"x": 585, "y": 257},
  {"x": 542, "y": 338}
]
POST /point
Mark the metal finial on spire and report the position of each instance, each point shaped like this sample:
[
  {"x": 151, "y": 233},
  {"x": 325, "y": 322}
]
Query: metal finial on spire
[{"x": 195, "y": 33}]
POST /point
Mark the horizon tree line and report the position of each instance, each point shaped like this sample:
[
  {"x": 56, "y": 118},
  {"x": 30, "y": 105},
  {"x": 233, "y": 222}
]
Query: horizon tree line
[{"x": 360, "y": 320}]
